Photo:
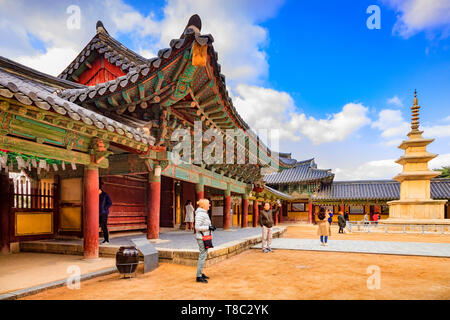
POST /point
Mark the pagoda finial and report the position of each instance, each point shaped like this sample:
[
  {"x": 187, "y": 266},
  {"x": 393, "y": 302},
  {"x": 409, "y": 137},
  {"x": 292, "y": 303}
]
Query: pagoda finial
[{"x": 415, "y": 113}]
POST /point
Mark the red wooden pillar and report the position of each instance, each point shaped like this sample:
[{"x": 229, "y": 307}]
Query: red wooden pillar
[
  {"x": 310, "y": 212},
  {"x": 91, "y": 213},
  {"x": 244, "y": 211},
  {"x": 277, "y": 215},
  {"x": 227, "y": 210},
  {"x": 342, "y": 208},
  {"x": 280, "y": 212},
  {"x": 154, "y": 203},
  {"x": 199, "y": 191},
  {"x": 255, "y": 213},
  {"x": 4, "y": 214}
]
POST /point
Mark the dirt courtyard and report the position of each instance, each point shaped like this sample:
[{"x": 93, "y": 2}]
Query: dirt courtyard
[{"x": 284, "y": 274}]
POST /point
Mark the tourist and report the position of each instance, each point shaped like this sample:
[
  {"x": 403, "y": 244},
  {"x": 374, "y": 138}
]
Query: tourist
[
  {"x": 330, "y": 219},
  {"x": 104, "y": 204},
  {"x": 375, "y": 218},
  {"x": 366, "y": 222},
  {"x": 266, "y": 222},
  {"x": 202, "y": 224},
  {"x": 347, "y": 222},
  {"x": 189, "y": 215},
  {"x": 341, "y": 222},
  {"x": 323, "y": 227}
]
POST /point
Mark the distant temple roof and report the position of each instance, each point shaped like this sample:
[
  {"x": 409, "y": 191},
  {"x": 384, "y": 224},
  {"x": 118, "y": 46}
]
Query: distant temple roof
[
  {"x": 303, "y": 171},
  {"x": 376, "y": 190}
]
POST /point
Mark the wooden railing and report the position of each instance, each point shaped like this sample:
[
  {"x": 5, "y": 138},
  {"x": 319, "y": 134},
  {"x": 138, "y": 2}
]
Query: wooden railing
[{"x": 28, "y": 194}]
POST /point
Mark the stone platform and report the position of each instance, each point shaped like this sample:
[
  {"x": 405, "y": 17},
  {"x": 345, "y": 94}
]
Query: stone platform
[
  {"x": 174, "y": 247},
  {"x": 362, "y": 246}
]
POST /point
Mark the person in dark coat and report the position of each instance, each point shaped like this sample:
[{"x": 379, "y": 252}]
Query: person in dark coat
[
  {"x": 341, "y": 222},
  {"x": 104, "y": 204},
  {"x": 266, "y": 222}
]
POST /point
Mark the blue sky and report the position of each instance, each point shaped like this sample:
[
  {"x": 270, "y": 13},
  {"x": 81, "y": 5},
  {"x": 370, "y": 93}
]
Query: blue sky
[{"x": 334, "y": 89}]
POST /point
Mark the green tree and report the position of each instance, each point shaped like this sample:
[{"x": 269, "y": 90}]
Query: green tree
[{"x": 445, "y": 172}]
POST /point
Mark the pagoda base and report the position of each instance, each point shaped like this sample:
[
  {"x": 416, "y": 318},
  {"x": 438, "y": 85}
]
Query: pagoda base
[{"x": 417, "y": 211}]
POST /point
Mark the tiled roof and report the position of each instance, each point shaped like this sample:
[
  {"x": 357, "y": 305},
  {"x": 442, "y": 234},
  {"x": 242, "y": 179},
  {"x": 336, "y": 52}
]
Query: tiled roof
[
  {"x": 288, "y": 161},
  {"x": 43, "y": 95},
  {"x": 139, "y": 69},
  {"x": 302, "y": 172},
  {"x": 113, "y": 51},
  {"x": 375, "y": 190}
]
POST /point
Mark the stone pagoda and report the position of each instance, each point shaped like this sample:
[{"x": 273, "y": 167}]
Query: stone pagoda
[{"x": 415, "y": 204}]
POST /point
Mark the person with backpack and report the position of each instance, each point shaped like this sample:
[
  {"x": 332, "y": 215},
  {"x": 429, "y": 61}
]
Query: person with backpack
[{"x": 323, "y": 227}]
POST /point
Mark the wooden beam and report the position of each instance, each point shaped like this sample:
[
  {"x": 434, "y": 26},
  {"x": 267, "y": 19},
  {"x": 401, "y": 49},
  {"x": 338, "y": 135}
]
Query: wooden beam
[
  {"x": 141, "y": 91},
  {"x": 46, "y": 151},
  {"x": 208, "y": 85},
  {"x": 216, "y": 115},
  {"x": 126, "y": 96},
  {"x": 160, "y": 81},
  {"x": 209, "y": 102},
  {"x": 212, "y": 109},
  {"x": 112, "y": 101},
  {"x": 100, "y": 104},
  {"x": 181, "y": 65}
]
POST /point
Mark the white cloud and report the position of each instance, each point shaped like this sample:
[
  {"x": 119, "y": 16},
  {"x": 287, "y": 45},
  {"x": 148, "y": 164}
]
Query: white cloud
[
  {"x": 421, "y": 15},
  {"x": 391, "y": 123},
  {"x": 337, "y": 128},
  {"x": 383, "y": 169},
  {"x": 53, "y": 61},
  {"x": 394, "y": 128},
  {"x": 265, "y": 108},
  {"x": 377, "y": 169},
  {"x": 396, "y": 101},
  {"x": 438, "y": 131},
  {"x": 239, "y": 38},
  {"x": 440, "y": 161}
]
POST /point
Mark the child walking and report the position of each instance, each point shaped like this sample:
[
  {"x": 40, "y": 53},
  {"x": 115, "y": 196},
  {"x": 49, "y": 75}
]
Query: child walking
[{"x": 323, "y": 229}]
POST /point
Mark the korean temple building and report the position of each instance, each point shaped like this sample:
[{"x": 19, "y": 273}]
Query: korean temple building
[{"x": 108, "y": 119}]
